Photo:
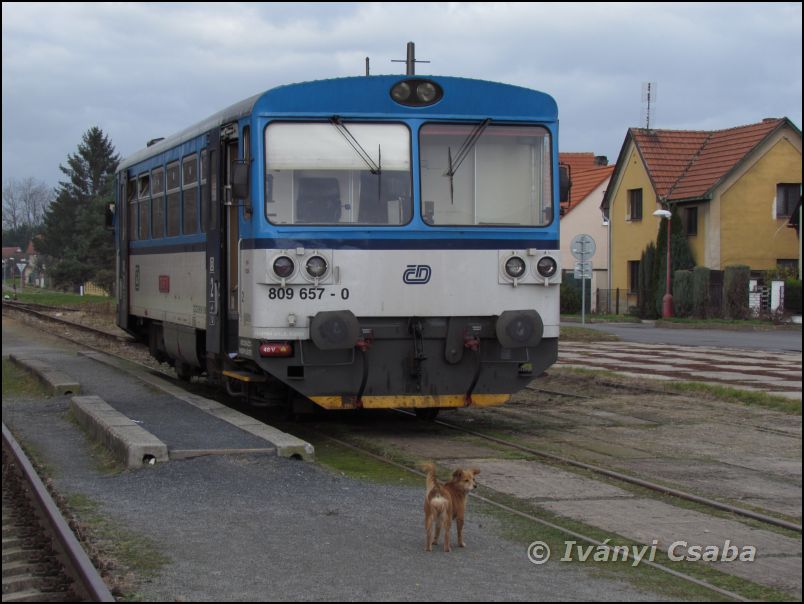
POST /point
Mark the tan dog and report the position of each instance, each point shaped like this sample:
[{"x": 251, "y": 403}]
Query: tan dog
[{"x": 443, "y": 502}]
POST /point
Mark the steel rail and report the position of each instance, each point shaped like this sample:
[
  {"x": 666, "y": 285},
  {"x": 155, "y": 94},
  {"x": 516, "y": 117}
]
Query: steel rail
[
  {"x": 74, "y": 557},
  {"x": 557, "y": 527},
  {"x": 630, "y": 479}
]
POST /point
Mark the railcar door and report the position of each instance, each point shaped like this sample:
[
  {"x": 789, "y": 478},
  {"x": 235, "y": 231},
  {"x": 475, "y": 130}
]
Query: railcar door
[
  {"x": 229, "y": 152},
  {"x": 210, "y": 202},
  {"x": 222, "y": 229},
  {"x": 122, "y": 250}
]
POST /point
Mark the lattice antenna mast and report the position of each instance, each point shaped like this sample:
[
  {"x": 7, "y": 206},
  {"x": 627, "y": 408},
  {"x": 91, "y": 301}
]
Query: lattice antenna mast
[{"x": 649, "y": 97}]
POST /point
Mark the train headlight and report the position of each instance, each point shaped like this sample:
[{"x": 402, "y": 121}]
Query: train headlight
[
  {"x": 515, "y": 267},
  {"x": 546, "y": 267},
  {"x": 401, "y": 92},
  {"x": 426, "y": 92},
  {"x": 316, "y": 266},
  {"x": 283, "y": 267},
  {"x": 416, "y": 92}
]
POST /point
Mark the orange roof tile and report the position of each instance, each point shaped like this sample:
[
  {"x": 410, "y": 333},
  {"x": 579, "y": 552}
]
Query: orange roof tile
[
  {"x": 688, "y": 164},
  {"x": 584, "y": 182}
]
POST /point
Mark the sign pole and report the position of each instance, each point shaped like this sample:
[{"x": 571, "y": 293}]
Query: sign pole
[{"x": 583, "y": 247}]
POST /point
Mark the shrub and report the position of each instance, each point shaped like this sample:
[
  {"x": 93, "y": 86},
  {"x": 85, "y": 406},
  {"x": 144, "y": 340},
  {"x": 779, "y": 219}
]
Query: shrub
[
  {"x": 701, "y": 283},
  {"x": 792, "y": 295},
  {"x": 570, "y": 297},
  {"x": 735, "y": 292},
  {"x": 682, "y": 293}
]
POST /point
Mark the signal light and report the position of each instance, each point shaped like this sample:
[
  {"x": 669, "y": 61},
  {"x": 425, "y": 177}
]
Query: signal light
[
  {"x": 546, "y": 267},
  {"x": 283, "y": 267}
]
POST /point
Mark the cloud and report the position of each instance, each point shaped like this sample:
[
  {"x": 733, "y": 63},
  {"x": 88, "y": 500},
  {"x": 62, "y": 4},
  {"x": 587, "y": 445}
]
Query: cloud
[{"x": 144, "y": 70}]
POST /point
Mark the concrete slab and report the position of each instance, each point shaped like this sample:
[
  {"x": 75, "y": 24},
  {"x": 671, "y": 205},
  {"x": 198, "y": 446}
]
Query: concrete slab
[
  {"x": 536, "y": 481},
  {"x": 130, "y": 444},
  {"x": 286, "y": 445},
  {"x": 55, "y": 380},
  {"x": 646, "y": 520}
]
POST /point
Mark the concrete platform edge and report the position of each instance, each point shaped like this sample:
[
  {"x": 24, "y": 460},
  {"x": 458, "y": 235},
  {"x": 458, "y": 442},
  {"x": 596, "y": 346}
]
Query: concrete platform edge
[
  {"x": 286, "y": 444},
  {"x": 56, "y": 381},
  {"x": 129, "y": 443}
]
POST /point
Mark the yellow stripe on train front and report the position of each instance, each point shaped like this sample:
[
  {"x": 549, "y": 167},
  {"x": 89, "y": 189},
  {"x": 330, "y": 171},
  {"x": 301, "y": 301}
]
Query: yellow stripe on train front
[{"x": 404, "y": 401}]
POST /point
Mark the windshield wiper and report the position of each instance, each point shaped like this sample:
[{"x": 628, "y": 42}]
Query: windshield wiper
[
  {"x": 374, "y": 167},
  {"x": 467, "y": 146}
]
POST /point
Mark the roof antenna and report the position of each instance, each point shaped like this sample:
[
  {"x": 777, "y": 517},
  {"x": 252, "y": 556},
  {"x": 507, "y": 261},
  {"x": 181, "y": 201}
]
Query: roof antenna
[
  {"x": 648, "y": 96},
  {"x": 411, "y": 61}
]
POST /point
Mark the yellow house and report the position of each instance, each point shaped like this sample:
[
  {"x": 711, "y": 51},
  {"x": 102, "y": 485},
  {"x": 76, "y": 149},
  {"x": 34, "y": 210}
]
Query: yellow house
[{"x": 734, "y": 190}]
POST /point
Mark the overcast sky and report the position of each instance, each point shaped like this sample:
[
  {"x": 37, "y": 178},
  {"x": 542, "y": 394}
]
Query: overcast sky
[{"x": 139, "y": 71}]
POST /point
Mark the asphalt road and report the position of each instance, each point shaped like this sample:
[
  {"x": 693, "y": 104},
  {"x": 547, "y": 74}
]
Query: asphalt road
[{"x": 779, "y": 340}]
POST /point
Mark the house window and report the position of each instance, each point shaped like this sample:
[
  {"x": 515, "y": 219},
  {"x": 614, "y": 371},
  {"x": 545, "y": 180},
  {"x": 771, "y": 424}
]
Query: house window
[
  {"x": 691, "y": 221},
  {"x": 633, "y": 276},
  {"x": 787, "y": 196},
  {"x": 634, "y": 204}
]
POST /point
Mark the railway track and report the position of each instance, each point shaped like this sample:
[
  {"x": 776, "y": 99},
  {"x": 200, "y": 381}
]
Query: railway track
[
  {"x": 42, "y": 559},
  {"x": 38, "y": 311},
  {"x": 619, "y": 476},
  {"x": 546, "y": 523},
  {"x": 610, "y": 474},
  {"x": 41, "y": 312}
]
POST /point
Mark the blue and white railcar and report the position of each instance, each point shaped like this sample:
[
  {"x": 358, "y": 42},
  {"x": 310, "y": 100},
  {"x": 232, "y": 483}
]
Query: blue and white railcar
[{"x": 383, "y": 241}]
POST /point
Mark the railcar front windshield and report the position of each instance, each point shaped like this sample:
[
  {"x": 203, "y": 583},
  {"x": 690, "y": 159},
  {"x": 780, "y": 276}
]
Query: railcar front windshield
[
  {"x": 337, "y": 173},
  {"x": 485, "y": 175}
]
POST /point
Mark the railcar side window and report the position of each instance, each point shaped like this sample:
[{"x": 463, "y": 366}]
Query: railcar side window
[
  {"x": 144, "y": 204},
  {"x": 131, "y": 201},
  {"x": 190, "y": 188},
  {"x": 338, "y": 174},
  {"x": 173, "y": 200},
  {"x": 158, "y": 203},
  {"x": 204, "y": 190},
  {"x": 481, "y": 174}
]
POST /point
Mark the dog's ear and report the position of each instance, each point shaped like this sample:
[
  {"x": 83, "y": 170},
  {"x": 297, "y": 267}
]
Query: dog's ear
[
  {"x": 457, "y": 474},
  {"x": 475, "y": 471}
]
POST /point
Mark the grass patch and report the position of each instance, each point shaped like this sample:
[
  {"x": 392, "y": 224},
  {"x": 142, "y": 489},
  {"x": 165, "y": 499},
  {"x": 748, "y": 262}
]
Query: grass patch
[
  {"x": 355, "y": 464},
  {"x": 583, "y": 334},
  {"x": 56, "y": 298},
  {"x": 734, "y": 395},
  {"x": 711, "y": 391},
  {"x": 19, "y": 383},
  {"x": 114, "y": 549}
]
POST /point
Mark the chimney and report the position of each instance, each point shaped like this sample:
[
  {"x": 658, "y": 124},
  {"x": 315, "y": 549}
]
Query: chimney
[{"x": 601, "y": 160}]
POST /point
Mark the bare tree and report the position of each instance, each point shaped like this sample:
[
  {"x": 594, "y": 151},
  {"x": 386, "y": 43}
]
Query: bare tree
[{"x": 25, "y": 202}]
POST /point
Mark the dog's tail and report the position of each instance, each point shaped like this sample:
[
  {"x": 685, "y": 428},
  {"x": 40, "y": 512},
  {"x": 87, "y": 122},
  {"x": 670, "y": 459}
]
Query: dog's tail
[{"x": 431, "y": 477}]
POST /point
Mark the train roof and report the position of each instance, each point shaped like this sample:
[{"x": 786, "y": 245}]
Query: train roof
[{"x": 369, "y": 96}]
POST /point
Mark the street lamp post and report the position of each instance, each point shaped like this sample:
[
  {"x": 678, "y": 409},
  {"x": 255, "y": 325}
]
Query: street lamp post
[{"x": 667, "y": 300}]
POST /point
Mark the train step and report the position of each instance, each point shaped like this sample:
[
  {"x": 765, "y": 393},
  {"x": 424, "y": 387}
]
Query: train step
[{"x": 245, "y": 376}]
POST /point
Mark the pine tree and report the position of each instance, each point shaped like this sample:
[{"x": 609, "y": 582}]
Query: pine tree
[{"x": 75, "y": 241}]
